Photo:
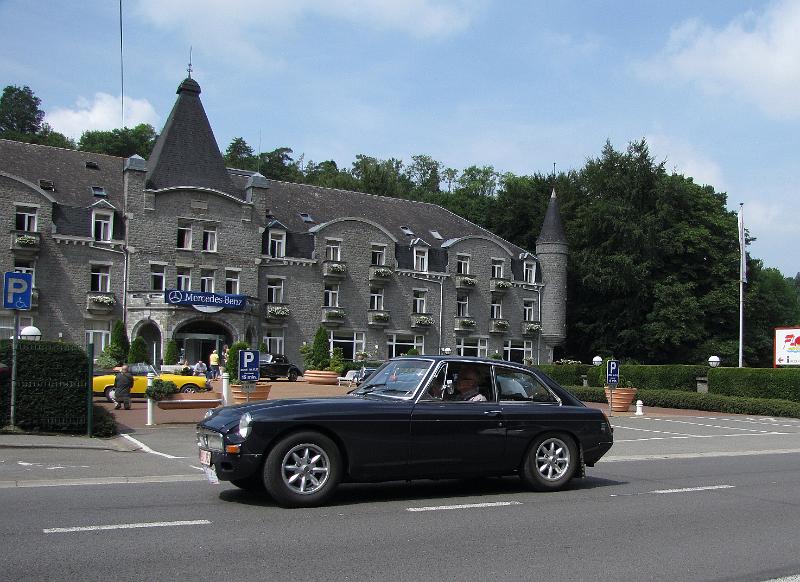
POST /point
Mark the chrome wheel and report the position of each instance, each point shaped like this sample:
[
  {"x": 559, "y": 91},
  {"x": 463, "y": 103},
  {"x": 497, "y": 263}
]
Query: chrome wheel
[
  {"x": 552, "y": 459},
  {"x": 305, "y": 468}
]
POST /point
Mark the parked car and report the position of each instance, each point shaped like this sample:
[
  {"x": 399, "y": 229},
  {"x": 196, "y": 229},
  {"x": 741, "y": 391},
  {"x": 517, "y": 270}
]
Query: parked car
[
  {"x": 411, "y": 419},
  {"x": 274, "y": 366},
  {"x": 104, "y": 385}
]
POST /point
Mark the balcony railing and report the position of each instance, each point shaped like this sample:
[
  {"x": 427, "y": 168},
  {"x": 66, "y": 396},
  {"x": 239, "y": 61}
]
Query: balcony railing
[
  {"x": 465, "y": 282},
  {"x": 465, "y": 324},
  {"x": 333, "y": 316},
  {"x": 499, "y": 326},
  {"x": 24, "y": 242},
  {"x": 334, "y": 270},
  {"x": 380, "y": 274},
  {"x": 500, "y": 286},
  {"x": 378, "y": 317},
  {"x": 100, "y": 302}
]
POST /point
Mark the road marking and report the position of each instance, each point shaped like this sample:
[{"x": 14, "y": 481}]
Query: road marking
[
  {"x": 612, "y": 459},
  {"x": 147, "y": 449},
  {"x": 672, "y": 420},
  {"x": 126, "y": 526},
  {"x": 697, "y": 436},
  {"x": 101, "y": 481},
  {"x": 690, "y": 489},
  {"x": 464, "y": 506}
]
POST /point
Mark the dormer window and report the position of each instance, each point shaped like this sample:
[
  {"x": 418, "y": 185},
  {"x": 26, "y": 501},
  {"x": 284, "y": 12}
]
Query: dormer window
[
  {"x": 101, "y": 225},
  {"x": 421, "y": 260},
  {"x": 306, "y": 217},
  {"x": 92, "y": 165},
  {"x": 407, "y": 231},
  {"x": 99, "y": 191},
  {"x": 529, "y": 272},
  {"x": 47, "y": 185},
  {"x": 277, "y": 243}
]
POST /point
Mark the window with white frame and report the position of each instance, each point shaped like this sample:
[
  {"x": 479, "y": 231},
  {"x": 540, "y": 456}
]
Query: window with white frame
[
  {"x": 273, "y": 338},
  {"x": 378, "y": 255},
  {"x": 376, "y": 298},
  {"x": 7, "y": 325},
  {"x": 399, "y": 344},
  {"x": 28, "y": 267},
  {"x": 157, "y": 277},
  {"x": 472, "y": 346},
  {"x": 184, "y": 237},
  {"x": 333, "y": 250},
  {"x": 231, "y": 282},
  {"x": 516, "y": 351},
  {"x": 274, "y": 290},
  {"x": 462, "y": 305},
  {"x": 331, "y": 295},
  {"x": 462, "y": 264},
  {"x": 184, "y": 279},
  {"x": 528, "y": 310},
  {"x": 98, "y": 333},
  {"x": 210, "y": 239},
  {"x": 206, "y": 280},
  {"x": 101, "y": 225},
  {"x": 419, "y": 301},
  {"x": 496, "y": 309},
  {"x": 497, "y": 268},
  {"x": 26, "y": 218},
  {"x": 421, "y": 260},
  {"x": 350, "y": 342},
  {"x": 100, "y": 279},
  {"x": 277, "y": 243},
  {"x": 529, "y": 272}
]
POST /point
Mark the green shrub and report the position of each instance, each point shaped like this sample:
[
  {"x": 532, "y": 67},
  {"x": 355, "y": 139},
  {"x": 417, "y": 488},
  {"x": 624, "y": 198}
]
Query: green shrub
[
  {"x": 317, "y": 356},
  {"x": 781, "y": 383},
  {"x": 665, "y": 377},
  {"x": 171, "y": 353},
  {"x": 160, "y": 389},
  {"x": 565, "y": 374},
  {"x": 336, "y": 363},
  {"x": 119, "y": 345},
  {"x": 105, "y": 361},
  {"x": 104, "y": 424},
  {"x": 262, "y": 347},
  {"x": 412, "y": 352},
  {"x": 138, "y": 352},
  {"x": 232, "y": 361}
]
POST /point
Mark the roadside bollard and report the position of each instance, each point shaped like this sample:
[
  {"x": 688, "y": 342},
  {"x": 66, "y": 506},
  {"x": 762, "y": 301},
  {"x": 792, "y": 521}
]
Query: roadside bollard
[
  {"x": 639, "y": 408},
  {"x": 226, "y": 388},
  {"x": 151, "y": 408}
]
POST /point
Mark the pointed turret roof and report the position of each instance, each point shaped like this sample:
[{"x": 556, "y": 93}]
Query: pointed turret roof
[
  {"x": 552, "y": 230},
  {"x": 186, "y": 153}
]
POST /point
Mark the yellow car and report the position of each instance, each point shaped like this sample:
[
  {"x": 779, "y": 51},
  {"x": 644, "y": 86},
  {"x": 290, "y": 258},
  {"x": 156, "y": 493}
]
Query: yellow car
[{"x": 104, "y": 385}]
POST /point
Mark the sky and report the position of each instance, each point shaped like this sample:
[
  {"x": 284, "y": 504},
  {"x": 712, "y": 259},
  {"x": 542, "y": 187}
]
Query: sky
[{"x": 517, "y": 84}]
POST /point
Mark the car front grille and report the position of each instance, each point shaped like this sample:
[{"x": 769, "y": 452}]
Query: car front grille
[{"x": 208, "y": 439}]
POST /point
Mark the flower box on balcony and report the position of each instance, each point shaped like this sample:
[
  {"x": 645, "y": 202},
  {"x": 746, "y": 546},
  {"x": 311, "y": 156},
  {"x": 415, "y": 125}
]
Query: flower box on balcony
[
  {"x": 379, "y": 274},
  {"x": 334, "y": 269},
  {"x": 333, "y": 315},
  {"x": 531, "y": 327},
  {"x": 465, "y": 324},
  {"x": 26, "y": 242},
  {"x": 465, "y": 282},
  {"x": 500, "y": 285},
  {"x": 499, "y": 326},
  {"x": 100, "y": 302},
  {"x": 421, "y": 321},
  {"x": 378, "y": 318}
]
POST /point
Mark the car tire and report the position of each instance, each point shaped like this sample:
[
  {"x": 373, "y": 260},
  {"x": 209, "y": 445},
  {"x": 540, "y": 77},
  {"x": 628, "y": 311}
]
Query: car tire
[
  {"x": 189, "y": 388},
  {"x": 550, "y": 462},
  {"x": 273, "y": 378},
  {"x": 252, "y": 483},
  {"x": 292, "y": 376},
  {"x": 109, "y": 393},
  {"x": 302, "y": 470}
]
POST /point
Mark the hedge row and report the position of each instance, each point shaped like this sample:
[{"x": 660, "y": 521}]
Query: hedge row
[
  {"x": 705, "y": 402},
  {"x": 782, "y": 383},
  {"x": 52, "y": 389},
  {"x": 665, "y": 377}
]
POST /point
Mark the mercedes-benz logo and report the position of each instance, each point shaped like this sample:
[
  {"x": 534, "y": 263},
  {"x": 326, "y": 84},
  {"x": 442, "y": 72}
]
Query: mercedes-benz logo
[{"x": 175, "y": 296}]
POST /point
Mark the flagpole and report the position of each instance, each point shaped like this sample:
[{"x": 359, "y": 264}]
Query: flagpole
[{"x": 742, "y": 280}]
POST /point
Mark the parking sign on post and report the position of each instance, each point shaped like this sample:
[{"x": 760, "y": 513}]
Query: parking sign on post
[
  {"x": 248, "y": 365},
  {"x": 612, "y": 372},
  {"x": 17, "y": 289}
]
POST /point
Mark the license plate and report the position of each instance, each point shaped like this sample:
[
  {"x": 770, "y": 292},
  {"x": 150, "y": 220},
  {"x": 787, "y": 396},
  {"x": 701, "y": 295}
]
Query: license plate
[{"x": 205, "y": 457}]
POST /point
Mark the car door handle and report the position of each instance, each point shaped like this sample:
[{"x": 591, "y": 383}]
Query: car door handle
[{"x": 493, "y": 412}]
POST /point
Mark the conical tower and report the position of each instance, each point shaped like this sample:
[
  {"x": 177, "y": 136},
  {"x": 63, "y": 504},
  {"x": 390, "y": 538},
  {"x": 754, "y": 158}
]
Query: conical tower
[{"x": 552, "y": 250}]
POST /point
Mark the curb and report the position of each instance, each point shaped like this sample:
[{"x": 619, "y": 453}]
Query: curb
[{"x": 117, "y": 444}]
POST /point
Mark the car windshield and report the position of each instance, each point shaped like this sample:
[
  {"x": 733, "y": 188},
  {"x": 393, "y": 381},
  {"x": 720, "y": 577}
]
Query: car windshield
[
  {"x": 266, "y": 359},
  {"x": 398, "y": 378}
]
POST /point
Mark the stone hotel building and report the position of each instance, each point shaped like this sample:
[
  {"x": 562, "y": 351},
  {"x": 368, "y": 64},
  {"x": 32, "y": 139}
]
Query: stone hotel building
[{"x": 111, "y": 239}]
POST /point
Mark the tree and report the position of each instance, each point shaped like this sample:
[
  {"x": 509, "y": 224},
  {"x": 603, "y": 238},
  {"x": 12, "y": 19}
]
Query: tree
[
  {"x": 319, "y": 356},
  {"x": 279, "y": 165},
  {"x": 138, "y": 352},
  {"x": 328, "y": 174},
  {"x": 232, "y": 361},
  {"x": 240, "y": 155},
  {"x": 382, "y": 177},
  {"x": 770, "y": 302},
  {"x": 450, "y": 175},
  {"x": 478, "y": 181},
  {"x": 171, "y": 353},
  {"x": 119, "y": 346},
  {"x": 424, "y": 172},
  {"x": 19, "y": 111},
  {"x": 123, "y": 142}
]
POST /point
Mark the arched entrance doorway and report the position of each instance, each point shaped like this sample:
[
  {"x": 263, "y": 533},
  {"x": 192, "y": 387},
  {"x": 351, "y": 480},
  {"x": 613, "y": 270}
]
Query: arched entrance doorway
[
  {"x": 151, "y": 335},
  {"x": 196, "y": 339}
]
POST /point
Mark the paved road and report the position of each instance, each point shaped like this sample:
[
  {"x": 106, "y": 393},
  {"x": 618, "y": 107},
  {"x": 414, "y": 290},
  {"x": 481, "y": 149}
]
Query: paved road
[{"x": 680, "y": 498}]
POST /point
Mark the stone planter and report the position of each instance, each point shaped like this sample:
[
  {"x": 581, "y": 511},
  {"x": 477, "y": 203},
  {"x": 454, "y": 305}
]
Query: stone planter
[
  {"x": 261, "y": 393},
  {"x": 321, "y": 377},
  {"x": 623, "y": 397},
  {"x": 182, "y": 400}
]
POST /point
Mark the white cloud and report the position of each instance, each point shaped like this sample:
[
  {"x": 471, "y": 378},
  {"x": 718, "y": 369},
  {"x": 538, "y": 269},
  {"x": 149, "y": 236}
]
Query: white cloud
[
  {"x": 682, "y": 157},
  {"x": 103, "y": 113},
  {"x": 755, "y": 57}
]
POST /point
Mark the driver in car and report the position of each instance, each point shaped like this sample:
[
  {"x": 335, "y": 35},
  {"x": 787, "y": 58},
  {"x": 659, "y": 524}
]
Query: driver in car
[{"x": 467, "y": 387}]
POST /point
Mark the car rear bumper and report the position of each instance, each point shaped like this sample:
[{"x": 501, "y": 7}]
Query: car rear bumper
[{"x": 593, "y": 454}]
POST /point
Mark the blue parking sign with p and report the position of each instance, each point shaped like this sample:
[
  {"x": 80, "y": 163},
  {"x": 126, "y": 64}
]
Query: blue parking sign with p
[
  {"x": 248, "y": 365},
  {"x": 17, "y": 289},
  {"x": 612, "y": 372}
]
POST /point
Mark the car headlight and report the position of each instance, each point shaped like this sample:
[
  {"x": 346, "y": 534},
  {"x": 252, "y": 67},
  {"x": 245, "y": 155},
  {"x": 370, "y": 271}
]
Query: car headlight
[
  {"x": 209, "y": 413},
  {"x": 245, "y": 425}
]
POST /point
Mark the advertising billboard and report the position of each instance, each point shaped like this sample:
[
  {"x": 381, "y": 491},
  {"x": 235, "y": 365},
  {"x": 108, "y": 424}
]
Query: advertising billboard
[{"x": 787, "y": 346}]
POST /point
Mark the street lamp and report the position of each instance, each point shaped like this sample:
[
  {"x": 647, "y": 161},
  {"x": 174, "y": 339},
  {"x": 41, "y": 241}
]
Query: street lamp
[
  {"x": 30, "y": 333},
  {"x": 597, "y": 360},
  {"x": 713, "y": 361}
]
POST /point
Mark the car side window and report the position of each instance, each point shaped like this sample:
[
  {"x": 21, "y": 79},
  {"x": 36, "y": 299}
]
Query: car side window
[
  {"x": 138, "y": 370},
  {"x": 519, "y": 386}
]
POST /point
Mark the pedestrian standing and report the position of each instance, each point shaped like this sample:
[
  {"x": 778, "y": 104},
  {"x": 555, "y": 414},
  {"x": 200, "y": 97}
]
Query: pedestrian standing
[
  {"x": 213, "y": 361},
  {"x": 122, "y": 388}
]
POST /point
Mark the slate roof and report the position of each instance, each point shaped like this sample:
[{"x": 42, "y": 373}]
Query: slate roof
[
  {"x": 186, "y": 152},
  {"x": 552, "y": 229}
]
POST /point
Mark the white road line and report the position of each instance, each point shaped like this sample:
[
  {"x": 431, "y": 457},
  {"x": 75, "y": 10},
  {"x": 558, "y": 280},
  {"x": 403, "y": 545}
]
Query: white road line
[
  {"x": 464, "y": 506},
  {"x": 668, "y": 456},
  {"x": 126, "y": 526},
  {"x": 672, "y": 420},
  {"x": 147, "y": 449},
  {"x": 101, "y": 481},
  {"x": 699, "y": 436},
  {"x": 690, "y": 489}
]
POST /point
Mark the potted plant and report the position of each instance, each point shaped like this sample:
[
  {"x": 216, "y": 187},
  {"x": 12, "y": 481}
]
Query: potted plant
[
  {"x": 621, "y": 397},
  {"x": 318, "y": 360}
]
